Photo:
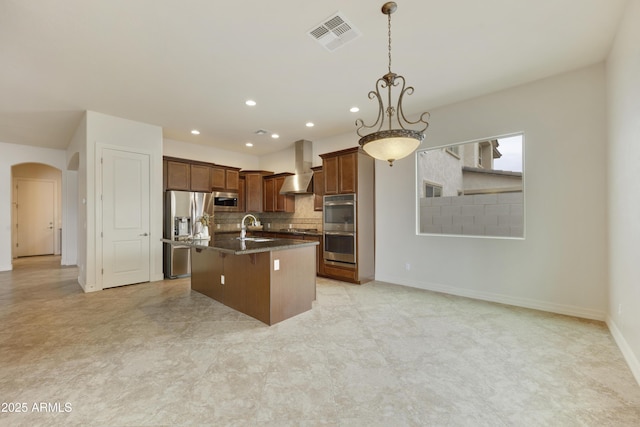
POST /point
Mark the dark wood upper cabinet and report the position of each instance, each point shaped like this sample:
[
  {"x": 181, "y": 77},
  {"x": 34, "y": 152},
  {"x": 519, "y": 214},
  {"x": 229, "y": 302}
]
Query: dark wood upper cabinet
[
  {"x": 273, "y": 200},
  {"x": 193, "y": 175},
  {"x": 242, "y": 197},
  {"x": 178, "y": 175},
  {"x": 200, "y": 178},
  {"x": 232, "y": 177},
  {"x": 254, "y": 189},
  {"x": 347, "y": 173},
  {"x": 218, "y": 178},
  {"x": 318, "y": 188},
  {"x": 284, "y": 202},
  {"x": 330, "y": 171},
  {"x": 224, "y": 178},
  {"x": 269, "y": 203},
  {"x": 340, "y": 171}
]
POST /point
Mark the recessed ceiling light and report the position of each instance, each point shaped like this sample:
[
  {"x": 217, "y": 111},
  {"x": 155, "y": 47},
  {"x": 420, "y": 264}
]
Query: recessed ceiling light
[
  {"x": 354, "y": 109},
  {"x": 195, "y": 132},
  {"x": 249, "y": 144},
  {"x": 310, "y": 124},
  {"x": 250, "y": 102},
  {"x": 275, "y": 136}
]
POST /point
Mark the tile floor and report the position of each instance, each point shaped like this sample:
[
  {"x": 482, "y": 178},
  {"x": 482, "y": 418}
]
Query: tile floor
[{"x": 371, "y": 355}]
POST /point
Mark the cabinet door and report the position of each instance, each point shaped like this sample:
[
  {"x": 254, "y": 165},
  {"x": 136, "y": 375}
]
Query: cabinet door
[
  {"x": 218, "y": 177},
  {"x": 178, "y": 176},
  {"x": 318, "y": 189},
  {"x": 283, "y": 202},
  {"x": 347, "y": 172},
  {"x": 269, "y": 192},
  {"x": 330, "y": 169},
  {"x": 232, "y": 176},
  {"x": 200, "y": 180},
  {"x": 253, "y": 192},
  {"x": 319, "y": 255},
  {"x": 242, "y": 197}
]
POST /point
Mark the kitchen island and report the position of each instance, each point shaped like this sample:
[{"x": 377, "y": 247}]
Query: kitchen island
[{"x": 268, "y": 279}]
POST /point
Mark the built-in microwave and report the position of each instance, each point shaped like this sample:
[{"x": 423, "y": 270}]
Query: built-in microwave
[{"x": 225, "y": 201}]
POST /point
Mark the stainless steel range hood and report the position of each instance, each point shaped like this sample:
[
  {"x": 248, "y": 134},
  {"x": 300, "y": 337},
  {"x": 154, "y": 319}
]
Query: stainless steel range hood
[{"x": 302, "y": 181}]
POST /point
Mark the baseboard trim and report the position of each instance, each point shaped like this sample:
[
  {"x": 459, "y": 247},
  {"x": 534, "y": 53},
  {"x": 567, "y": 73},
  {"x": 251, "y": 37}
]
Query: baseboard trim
[
  {"x": 6, "y": 267},
  {"x": 623, "y": 345},
  {"x": 157, "y": 277},
  {"x": 568, "y": 310}
]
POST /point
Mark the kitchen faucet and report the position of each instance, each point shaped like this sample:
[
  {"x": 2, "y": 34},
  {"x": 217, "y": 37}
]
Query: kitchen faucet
[{"x": 243, "y": 231}]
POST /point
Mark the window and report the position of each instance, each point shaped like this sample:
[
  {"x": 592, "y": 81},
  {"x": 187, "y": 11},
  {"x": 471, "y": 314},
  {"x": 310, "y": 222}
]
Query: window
[
  {"x": 454, "y": 150},
  {"x": 479, "y": 186},
  {"x": 432, "y": 190}
]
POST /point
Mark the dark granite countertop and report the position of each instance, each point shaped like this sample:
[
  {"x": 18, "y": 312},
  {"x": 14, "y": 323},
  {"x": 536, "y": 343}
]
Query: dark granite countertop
[
  {"x": 296, "y": 231},
  {"x": 232, "y": 245}
]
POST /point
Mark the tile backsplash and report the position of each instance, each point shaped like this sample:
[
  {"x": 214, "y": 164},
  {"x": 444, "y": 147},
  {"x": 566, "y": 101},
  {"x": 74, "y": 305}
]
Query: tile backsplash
[{"x": 304, "y": 217}]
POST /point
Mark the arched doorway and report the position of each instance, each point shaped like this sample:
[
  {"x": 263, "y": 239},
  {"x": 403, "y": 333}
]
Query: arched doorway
[{"x": 36, "y": 196}]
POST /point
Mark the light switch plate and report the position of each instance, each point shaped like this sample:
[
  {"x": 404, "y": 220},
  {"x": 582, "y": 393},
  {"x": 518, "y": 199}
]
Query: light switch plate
[{"x": 276, "y": 264}]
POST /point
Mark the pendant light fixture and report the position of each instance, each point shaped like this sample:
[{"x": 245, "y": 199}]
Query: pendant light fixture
[{"x": 387, "y": 143}]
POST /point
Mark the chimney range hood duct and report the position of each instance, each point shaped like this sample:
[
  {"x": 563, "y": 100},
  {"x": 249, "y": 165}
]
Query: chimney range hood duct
[{"x": 302, "y": 181}]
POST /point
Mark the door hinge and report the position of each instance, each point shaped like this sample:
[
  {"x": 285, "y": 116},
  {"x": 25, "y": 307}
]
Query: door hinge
[
  {"x": 102, "y": 272},
  {"x": 101, "y": 234},
  {"x": 101, "y": 162}
]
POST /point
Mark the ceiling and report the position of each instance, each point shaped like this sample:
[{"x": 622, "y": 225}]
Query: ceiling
[{"x": 192, "y": 64}]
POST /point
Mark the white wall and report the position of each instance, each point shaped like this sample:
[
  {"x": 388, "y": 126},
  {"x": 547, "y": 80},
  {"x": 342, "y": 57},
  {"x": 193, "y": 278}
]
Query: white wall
[
  {"x": 12, "y": 154},
  {"x": 557, "y": 267},
  {"x": 186, "y": 150},
  {"x": 280, "y": 161},
  {"x": 77, "y": 150},
  {"x": 100, "y": 130},
  {"x": 623, "y": 90}
]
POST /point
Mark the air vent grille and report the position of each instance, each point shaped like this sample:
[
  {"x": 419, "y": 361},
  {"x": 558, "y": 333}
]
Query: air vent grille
[{"x": 334, "y": 32}]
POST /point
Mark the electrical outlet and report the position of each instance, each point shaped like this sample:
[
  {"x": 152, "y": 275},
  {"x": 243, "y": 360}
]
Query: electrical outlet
[
  {"x": 222, "y": 279},
  {"x": 290, "y": 225},
  {"x": 237, "y": 225},
  {"x": 407, "y": 266},
  {"x": 217, "y": 226},
  {"x": 619, "y": 309},
  {"x": 276, "y": 264},
  {"x": 268, "y": 225}
]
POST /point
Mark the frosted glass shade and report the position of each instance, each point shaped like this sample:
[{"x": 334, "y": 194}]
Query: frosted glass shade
[{"x": 392, "y": 144}]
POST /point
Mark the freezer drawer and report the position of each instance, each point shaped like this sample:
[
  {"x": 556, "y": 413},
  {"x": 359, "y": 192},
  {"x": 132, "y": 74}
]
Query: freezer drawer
[{"x": 177, "y": 261}]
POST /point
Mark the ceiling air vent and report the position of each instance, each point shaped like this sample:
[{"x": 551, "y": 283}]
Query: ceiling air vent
[{"x": 334, "y": 32}]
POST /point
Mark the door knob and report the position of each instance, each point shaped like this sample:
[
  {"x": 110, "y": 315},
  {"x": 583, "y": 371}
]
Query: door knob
[{"x": 144, "y": 234}]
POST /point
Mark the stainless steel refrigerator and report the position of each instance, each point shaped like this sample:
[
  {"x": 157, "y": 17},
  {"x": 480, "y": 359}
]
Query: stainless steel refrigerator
[{"x": 182, "y": 212}]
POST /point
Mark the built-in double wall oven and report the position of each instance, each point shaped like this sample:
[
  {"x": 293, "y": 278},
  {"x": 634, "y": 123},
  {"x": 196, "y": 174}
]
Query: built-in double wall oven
[{"x": 339, "y": 229}]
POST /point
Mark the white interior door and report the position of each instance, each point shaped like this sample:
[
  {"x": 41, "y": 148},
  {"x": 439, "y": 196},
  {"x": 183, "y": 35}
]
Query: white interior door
[
  {"x": 125, "y": 218},
  {"x": 35, "y": 217}
]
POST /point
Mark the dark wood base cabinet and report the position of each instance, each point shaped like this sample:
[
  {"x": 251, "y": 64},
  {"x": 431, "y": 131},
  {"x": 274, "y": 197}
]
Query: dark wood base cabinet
[{"x": 253, "y": 286}]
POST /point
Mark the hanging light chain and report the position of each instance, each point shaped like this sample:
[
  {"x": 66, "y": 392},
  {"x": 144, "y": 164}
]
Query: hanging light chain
[{"x": 389, "y": 26}]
